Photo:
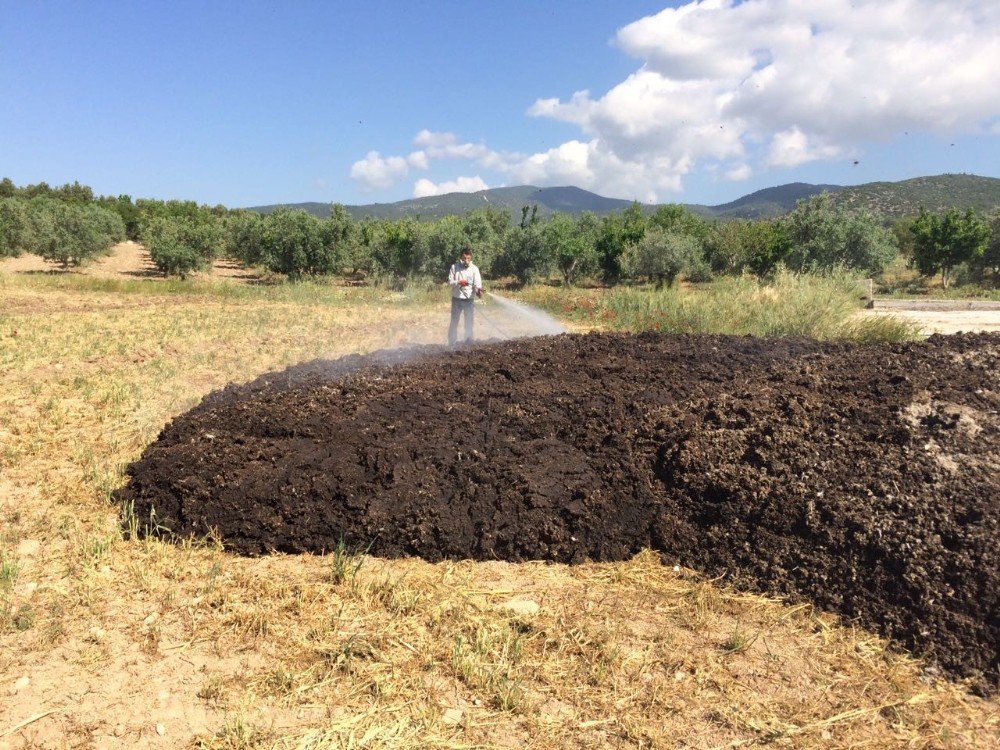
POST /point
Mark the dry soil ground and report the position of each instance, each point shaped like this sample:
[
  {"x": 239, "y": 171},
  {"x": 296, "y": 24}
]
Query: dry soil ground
[
  {"x": 112, "y": 640},
  {"x": 126, "y": 260}
]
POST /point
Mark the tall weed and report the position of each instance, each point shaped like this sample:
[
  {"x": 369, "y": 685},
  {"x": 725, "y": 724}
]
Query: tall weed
[{"x": 816, "y": 306}]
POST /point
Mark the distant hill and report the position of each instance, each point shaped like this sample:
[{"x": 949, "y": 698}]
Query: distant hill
[
  {"x": 763, "y": 203},
  {"x": 771, "y": 201},
  {"x": 549, "y": 200},
  {"x": 766, "y": 203},
  {"x": 938, "y": 193},
  {"x": 889, "y": 199}
]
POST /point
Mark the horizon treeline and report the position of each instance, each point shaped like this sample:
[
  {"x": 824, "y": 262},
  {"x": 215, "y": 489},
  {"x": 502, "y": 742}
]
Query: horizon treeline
[{"x": 70, "y": 225}]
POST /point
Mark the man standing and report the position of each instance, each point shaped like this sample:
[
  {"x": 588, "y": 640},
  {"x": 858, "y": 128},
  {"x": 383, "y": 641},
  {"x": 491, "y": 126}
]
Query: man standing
[{"x": 466, "y": 284}]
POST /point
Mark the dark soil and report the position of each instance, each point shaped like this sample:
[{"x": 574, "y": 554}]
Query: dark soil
[{"x": 865, "y": 478}]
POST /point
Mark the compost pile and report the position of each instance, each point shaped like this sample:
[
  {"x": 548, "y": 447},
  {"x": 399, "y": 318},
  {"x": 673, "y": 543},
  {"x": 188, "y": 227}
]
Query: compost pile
[{"x": 864, "y": 478}]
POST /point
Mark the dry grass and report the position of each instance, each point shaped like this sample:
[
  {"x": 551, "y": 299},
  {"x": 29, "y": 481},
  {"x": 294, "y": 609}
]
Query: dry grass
[{"x": 128, "y": 642}]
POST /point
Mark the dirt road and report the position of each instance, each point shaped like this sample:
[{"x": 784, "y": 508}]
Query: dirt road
[{"x": 953, "y": 321}]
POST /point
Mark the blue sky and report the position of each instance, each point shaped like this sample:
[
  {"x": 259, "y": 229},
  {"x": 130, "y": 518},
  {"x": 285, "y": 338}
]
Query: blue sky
[{"x": 251, "y": 103}]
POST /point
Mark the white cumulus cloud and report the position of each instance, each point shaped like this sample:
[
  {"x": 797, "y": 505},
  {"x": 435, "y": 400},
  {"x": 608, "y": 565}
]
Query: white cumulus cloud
[
  {"x": 792, "y": 147},
  {"x": 758, "y": 84},
  {"x": 374, "y": 172},
  {"x": 424, "y": 187},
  {"x": 418, "y": 160},
  {"x": 436, "y": 140},
  {"x": 809, "y": 79},
  {"x": 567, "y": 164},
  {"x": 447, "y": 146}
]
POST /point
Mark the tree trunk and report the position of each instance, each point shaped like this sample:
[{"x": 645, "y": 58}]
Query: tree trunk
[{"x": 568, "y": 273}]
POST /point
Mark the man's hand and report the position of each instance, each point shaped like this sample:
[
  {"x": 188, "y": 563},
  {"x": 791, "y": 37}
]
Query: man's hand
[
  {"x": 463, "y": 282},
  {"x": 479, "y": 293}
]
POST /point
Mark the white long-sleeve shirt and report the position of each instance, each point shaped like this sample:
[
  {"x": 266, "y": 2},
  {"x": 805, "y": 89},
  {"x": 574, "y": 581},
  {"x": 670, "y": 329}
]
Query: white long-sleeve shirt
[{"x": 468, "y": 273}]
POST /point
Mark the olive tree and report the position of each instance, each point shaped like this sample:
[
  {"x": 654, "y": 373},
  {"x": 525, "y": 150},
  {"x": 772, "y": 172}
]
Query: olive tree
[
  {"x": 524, "y": 255},
  {"x": 244, "y": 238},
  {"x": 128, "y": 211},
  {"x": 739, "y": 245},
  {"x": 442, "y": 242},
  {"x": 824, "y": 236},
  {"x": 570, "y": 244},
  {"x": 294, "y": 245},
  {"x": 71, "y": 233},
  {"x": 341, "y": 235},
  {"x": 615, "y": 235},
  {"x": 661, "y": 256},
  {"x": 942, "y": 242},
  {"x": 484, "y": 229},
  {"x": 675, "y": 217},
  {"x": 989, "y": 261},
  {"x": 397, "y": 248},
  {"x": 179, "y": 246},
  {"x": 14, "y": 227}
]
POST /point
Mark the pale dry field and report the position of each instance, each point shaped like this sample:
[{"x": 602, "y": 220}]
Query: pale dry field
[
  {"x": 126, "y": 260},
  {"x": 110, "y": 641}
]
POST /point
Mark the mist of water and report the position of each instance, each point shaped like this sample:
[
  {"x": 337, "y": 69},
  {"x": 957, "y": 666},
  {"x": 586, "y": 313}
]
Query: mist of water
[
  {"x": 514, "y": 319},
  {"x": 497, "y": 318}
]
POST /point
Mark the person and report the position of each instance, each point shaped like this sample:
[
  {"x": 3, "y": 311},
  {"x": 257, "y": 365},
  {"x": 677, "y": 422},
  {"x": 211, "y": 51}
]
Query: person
[{"x": 466, "y": 285}]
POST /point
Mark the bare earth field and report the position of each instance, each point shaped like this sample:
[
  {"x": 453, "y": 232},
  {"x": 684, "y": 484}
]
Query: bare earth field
[{"x": 109, "y": 639}]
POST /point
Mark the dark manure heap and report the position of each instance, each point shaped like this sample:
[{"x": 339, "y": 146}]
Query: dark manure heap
[{"x": 864, "y": 478}]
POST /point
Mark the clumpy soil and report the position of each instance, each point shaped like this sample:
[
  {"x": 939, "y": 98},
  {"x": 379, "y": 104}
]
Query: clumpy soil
[{"x": 864, "y": 478}]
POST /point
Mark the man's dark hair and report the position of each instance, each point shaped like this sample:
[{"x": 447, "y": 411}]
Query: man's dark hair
[{"x": 465, "y": 251}]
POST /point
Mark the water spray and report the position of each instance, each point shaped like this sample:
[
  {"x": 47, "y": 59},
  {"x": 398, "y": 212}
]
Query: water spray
[
  {"x": 539, "y": 323},
  {"x": 497, "y": 328}
]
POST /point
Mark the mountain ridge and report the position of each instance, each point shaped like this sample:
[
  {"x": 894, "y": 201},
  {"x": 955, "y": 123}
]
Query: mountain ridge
[{"x": 888, "y": 199}]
